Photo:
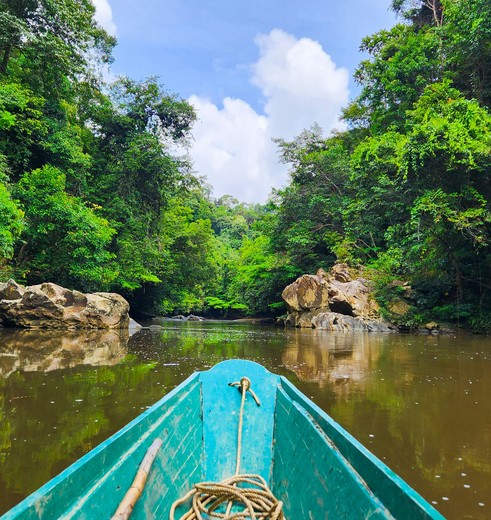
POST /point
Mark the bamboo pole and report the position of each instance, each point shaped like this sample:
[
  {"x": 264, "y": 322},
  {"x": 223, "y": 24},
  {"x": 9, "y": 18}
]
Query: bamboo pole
[{"x": 133, "y": 494}]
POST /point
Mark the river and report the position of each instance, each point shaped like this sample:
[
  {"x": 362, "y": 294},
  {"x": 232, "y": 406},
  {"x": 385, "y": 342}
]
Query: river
[{"x": 420, "y": 403}]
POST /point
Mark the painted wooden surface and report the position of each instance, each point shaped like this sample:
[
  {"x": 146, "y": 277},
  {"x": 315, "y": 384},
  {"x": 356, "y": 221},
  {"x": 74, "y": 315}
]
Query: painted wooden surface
[
  {"x": 312, "y": 464},
  {"x": 221, "y": 405},
  {"x": 311, "y": 476},
  {"x": 396, "y": 495}
]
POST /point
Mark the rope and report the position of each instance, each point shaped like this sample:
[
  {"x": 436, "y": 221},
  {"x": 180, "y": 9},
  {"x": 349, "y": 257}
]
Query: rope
[{"x": 254, "y": 497}]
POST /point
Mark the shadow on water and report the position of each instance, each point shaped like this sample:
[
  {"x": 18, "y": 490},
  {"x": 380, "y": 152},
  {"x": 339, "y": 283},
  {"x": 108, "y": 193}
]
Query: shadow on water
[{"x": 418, "y": 402}]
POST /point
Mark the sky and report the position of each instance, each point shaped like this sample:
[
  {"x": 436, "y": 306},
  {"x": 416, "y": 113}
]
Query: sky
[{"x": 254, "y": 70}]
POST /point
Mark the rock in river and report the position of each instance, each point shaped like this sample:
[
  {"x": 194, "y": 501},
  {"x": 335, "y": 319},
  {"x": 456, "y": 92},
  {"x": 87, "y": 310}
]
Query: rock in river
[
  {"x": 334, "y": 301},
  {"x": 50, "y": 306}
]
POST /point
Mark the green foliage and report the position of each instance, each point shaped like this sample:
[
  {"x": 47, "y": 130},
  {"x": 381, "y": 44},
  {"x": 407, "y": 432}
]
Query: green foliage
[
  {"x": 453, "y": 313},
  {"x": 412, "y": 189},
  {"x": 11, "y": 224},
  {"x": 380, "y": 192},
  {"x": 450, "y": 138},
  {"x": 222, "y": 305},
  {"x": 467, "y": 33},
  {"x": 22, "y": 126},
  {"x": 184, "y": 260},
  {"x": 308, "y": 226},
  {"x": 94, "y": 172},
  {"x": 52, "y": 36},
  {"x": 257, "y": 272},
  {"x": 480, "y": 321},
  {"x": 404, "y": 60},
  {"x": 135, "y": 178},
  {"x": 94, "y": 196},
  {"x": 56, "y": 219}
]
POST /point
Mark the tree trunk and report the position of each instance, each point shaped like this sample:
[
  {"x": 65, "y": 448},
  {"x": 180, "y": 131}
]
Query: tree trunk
[
  {"x": 437, "y": 11},
  {"x": 5, "y": 59}
]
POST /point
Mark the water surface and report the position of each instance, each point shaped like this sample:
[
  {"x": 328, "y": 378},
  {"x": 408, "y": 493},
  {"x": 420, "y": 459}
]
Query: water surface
[{"x": 420, "y": 403}]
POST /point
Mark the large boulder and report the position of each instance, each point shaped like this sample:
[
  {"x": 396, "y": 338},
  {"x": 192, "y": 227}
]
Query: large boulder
[
  {"x": 50, "y": 306},
  {"x": 349, "y": 296},
  {"x": 338, "y": 322},
  {"x": 309, "y": 292},
  {"x": 333, "y": 301}
]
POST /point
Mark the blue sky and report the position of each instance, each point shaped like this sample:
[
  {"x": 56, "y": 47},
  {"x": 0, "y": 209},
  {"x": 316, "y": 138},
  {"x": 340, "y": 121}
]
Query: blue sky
[{"x": 253, "y": 69}]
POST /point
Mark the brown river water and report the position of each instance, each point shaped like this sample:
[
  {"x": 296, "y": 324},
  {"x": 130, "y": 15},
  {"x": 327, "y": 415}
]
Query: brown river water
[{"x": 422, "y": 404}]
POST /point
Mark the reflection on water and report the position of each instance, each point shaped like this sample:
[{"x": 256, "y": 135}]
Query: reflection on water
[
  {"x": 41, "y": 350},
  {"x": 333, "y": 360},
  {"x": 420, "y": 403}
]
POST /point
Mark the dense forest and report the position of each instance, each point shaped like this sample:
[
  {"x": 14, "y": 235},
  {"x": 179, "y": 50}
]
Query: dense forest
[{"x": 97, "y": 192}]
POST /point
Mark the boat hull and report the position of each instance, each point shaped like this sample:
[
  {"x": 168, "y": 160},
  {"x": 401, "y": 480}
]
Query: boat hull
[{"x": 310, "y": 462}]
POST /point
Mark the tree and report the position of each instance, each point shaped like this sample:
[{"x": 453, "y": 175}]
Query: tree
[
  {"x": 467, "y": 33},
  {"x": 260, "y": 277},
  {"x": 136, "y": 174},
  {"x": 309, "y": 224},
  {"x": 136, "y": 130},
  {"x": 449, "y": 142},
  {"x": 450, "y": 237},
  {"x": 403, "y": 61},
  {"x": 237, "y": 226},
  {"x": 51, "y": 35},
  {"x": 419, "y": 192},
  {"x": 11, "y": 224},
  {"x": 185, "y": 261},
  {"x": 420, "y": 12},
  {"x": 22, "y": 126},
  {"x": 50, "y": 55},
  {"x": 64, "y": 239},
  {"x": 378, "y": 189},
  {"x": 425, "y": 193}
]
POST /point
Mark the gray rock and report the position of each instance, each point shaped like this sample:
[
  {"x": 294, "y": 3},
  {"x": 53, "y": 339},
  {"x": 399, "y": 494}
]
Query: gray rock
[
  {"x": 11, "y": 290},
  {"x": 192, "y": 317},
  {"x": 338, "y": 322},
  {"x": 307, "y": 293},
  {"x": 334, "y": 301},
  {"x": 133, "y": 327},
  {"x": 380, "y": 326},
  {"x": 51, "y": 306}
]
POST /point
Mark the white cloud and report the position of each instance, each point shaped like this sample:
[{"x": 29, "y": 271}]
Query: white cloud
[
  {"x": 104, "y": 16},
  {"x": 300, "y": 84},
  {"x": 231, "y": 148}
]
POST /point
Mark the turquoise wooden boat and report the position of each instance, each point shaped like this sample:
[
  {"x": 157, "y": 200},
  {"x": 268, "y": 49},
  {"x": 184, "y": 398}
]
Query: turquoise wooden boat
[{"x": 311, "y": 464}]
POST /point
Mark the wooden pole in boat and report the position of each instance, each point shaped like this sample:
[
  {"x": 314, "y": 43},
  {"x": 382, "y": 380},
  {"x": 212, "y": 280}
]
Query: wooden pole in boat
[{"x": 133, "y": 494}]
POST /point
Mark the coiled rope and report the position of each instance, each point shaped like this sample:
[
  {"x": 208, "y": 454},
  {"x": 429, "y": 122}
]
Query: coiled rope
[{"x": 249, "y": 493}]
